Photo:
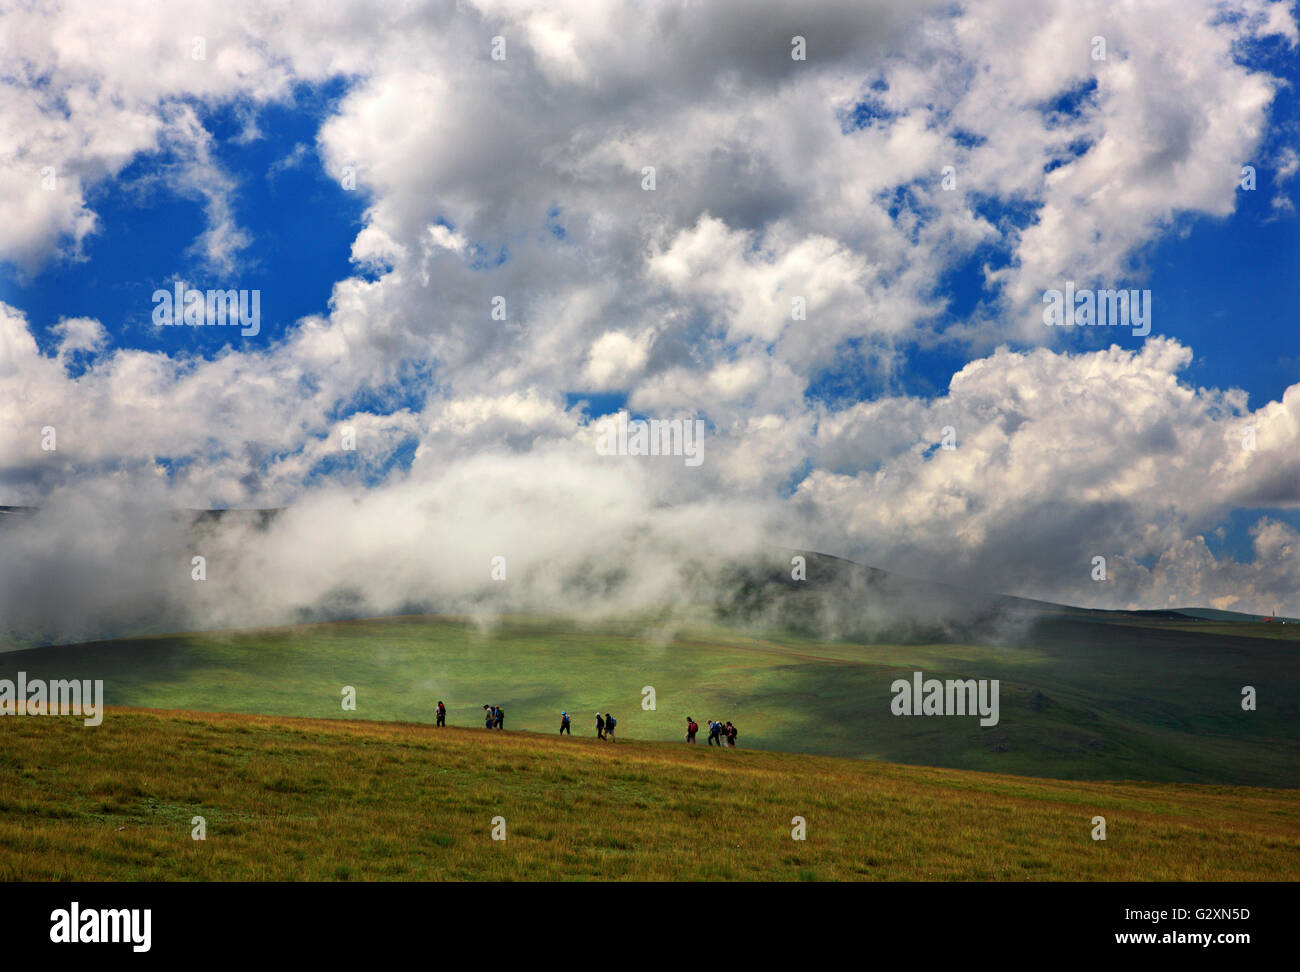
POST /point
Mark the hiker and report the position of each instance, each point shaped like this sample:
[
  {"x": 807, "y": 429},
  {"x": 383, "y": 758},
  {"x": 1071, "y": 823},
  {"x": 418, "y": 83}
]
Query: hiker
[
  {"x": 488, "y": 716},
  {"x": 732, "y": 732},
  {"x": 500, "y": 717},
  {"x": 564, "y": 724},
  {"x": 692, "y": 727},
  {"x": 600, "y": 726},
  {"x": 609, "y": 727},
  {"x": 715, "y": 732},
  {"x": 442, "y": 714}
]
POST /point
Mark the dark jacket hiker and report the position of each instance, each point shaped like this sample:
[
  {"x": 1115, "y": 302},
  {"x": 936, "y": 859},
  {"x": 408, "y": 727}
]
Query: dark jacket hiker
[{"x": 715, "y": 734}]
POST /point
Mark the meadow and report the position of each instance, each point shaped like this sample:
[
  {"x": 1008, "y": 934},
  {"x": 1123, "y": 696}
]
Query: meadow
[
  {"x": 1080, "y": 699},
  {"x": 331, "y": 799}
]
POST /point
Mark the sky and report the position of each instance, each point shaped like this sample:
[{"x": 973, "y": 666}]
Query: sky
[{"x": 918, "y": 176}]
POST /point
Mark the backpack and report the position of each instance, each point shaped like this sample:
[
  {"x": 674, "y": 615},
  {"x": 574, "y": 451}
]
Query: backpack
[{"x": 694, "y": 727}]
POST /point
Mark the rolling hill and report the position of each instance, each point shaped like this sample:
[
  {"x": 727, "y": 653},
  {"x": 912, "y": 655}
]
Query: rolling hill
[{"x": 1130, "y": 698}]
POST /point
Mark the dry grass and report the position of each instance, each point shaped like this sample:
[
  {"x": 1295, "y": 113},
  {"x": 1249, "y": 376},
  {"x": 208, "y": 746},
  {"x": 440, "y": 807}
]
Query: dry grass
[{"x": 304, "y": 799}]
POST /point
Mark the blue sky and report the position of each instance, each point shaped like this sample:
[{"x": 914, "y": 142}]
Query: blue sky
[
  {"x": 302, "y": 224},
  {"x": 1222, "y": 285}
]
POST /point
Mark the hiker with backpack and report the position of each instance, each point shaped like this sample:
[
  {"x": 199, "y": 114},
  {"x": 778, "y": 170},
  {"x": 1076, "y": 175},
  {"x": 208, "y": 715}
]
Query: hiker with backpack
[
  {"x": 692, "y": 727},
  {"x": 500, "y": 720},
  {"x": 715, "y": 733},
  {"x": 442, "y": 714},
  {"x": 600, "y": 726},
  {"x": 564, "y": 724},
  {"x": 610, "y": 722},
  {"x": 489, "y": 716},
  {"x": 732, "y": 732}
]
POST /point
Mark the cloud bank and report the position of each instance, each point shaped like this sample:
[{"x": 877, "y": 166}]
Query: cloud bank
[{"x": 799, "y": 224}]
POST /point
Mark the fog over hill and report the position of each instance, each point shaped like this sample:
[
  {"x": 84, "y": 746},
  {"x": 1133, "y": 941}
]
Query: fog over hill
[{"x": 77, "y": 574}]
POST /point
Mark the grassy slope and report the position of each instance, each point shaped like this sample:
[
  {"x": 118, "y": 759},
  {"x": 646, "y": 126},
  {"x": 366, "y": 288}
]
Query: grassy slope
[
  {"x": 1080, "y": 699},
  {"x": 330, "y": 799}
]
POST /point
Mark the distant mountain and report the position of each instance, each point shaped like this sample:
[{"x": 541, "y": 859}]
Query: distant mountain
[
  {"x": 842, "y": 598},
  {"x": 1210, "y": 614}
]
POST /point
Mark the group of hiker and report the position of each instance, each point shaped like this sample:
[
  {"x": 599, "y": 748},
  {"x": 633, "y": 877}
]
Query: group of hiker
[
  {"x": 494, "y": 717},
  {"x": 718, "y": 731},
  {"x": 605, "y": 726}
]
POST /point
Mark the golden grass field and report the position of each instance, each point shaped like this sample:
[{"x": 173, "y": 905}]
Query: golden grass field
[{"x": 309, "y": 799}]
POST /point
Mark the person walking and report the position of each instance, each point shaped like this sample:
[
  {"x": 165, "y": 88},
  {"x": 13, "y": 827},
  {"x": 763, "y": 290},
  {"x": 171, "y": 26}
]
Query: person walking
[
  {"x": 692, "y": 727},
  {"x": 488, "y": 716},
  {"x": 442, "y": 713},
  {"x": 731, "y": 734},
  {"x": 610, "y": 722},
  {"x": 564, "y": 724},
  {"x": 500, "y": 720},
  {"x": 715, "y": 731},
  {"x": 600, "y": 726}
]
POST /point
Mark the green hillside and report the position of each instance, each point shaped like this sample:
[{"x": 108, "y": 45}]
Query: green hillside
[{"x": 1080, "y": 699}]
